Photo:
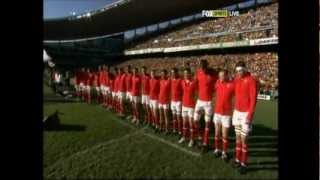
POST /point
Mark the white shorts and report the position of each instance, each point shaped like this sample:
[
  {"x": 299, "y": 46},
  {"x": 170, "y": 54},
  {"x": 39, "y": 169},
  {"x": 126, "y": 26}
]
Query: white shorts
[
  {"x": 239, "y": 119},
  {"x": 203, "y": 105},
  {"x": 98, "y": 88},
  {"x": 187, "y": 112},
  {"x": 103, "y": 89},
  {"x": 121, "y": 95},
  {"x": 113, "y": 94},
  {"x": 154, "y": 104},
  {"x": 107, "y": 89},
  {"x": 77, "y": 87},
  {"x": 222, "y": 119},
  {"x": 128, "y": 96},
  {"x": 145, "y": 99},
  {"x": 163, "y": 106},
  {"x": 176, "y": 107},
  {"x": 135, "y": 99},
  {"x": 88, "y": 87},
  {"x": 82, "y": 87}
]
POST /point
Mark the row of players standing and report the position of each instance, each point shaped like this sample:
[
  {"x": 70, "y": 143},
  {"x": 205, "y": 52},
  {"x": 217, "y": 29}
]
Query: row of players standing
[{"x": 187, "y": 98}]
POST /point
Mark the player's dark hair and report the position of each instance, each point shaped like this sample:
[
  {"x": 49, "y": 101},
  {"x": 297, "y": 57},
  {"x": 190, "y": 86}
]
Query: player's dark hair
[
  {"x": 203, "y": 63},
  {"x": 188, "y": 70},
  {"x": 164, "y": 71},
  {"x": 224, "y": 70},
  {"x": 175, "y": 70},
  {"x": 241, "y": 64}
]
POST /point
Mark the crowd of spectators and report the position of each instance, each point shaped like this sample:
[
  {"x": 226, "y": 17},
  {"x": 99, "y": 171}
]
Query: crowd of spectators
[
  {"x": 242, "y": 27},
  {"x": 264, "y": 66}
]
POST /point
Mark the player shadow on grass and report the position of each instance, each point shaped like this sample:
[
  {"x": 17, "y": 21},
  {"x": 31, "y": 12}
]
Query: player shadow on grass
[
  {"x": 52, "y": 123},
  {"x": 66, "y": 127},
  {"x": 263, "y": 143}
]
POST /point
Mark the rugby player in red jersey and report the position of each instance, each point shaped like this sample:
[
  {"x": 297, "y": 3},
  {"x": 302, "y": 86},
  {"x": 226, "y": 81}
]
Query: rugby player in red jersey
[
  {"x": 245, "y": 103},
  {"x": 154, "y": 97},
  {"x": 224, "y": 88},
  {"x": 189, "y": 86},
  {"x": 77, "y": 82},
  {"x": 128, "y": 81},
  {"x": 82, "y": 86},
  {"x": 176, "y": 98},
  {"x": 100, "y": 84},
  {"x": 116, "y": 87},
  {"x": 164, "y": 100},
  {"x": 113, "y": 88},
  {"x": 145, "y": 98},
  {"x": 102, "y": 80},
  {"x": 206, "y": 80},
  {"x": 122, "y": 91},
  {"x": 96, "y": 86},
  {"x": 135, "y": 95},
  {"x": 88, "y": 85}
]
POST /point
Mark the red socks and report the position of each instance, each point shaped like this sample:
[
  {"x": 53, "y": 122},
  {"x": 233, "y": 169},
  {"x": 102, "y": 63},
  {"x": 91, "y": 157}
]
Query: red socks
[
  {"x": 217, "y": 143},
  {"x": 244, "y": 156},
  {"x": 225, "y": 144},
  {"x": 238, "y": 151},
  {"x": 206, "y": 134}
]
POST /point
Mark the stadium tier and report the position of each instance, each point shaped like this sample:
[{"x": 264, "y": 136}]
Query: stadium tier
[
  {"x": 262, "y": 65},
  {"x": 261, "y": 22}
]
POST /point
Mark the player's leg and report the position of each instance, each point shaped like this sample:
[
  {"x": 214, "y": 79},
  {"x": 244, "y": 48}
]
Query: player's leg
[
  {"x": 179, "y": 118},
  {"x": 207, "y": 118},
  {"x": 196, "y": 119},
  {"x": 225, "y": 137},
  {"x": 238, "y": 147},
  {"x": 174, "y": 117},
  {"x": 245, "y": 129},
  {"x": 161, "y": 117},
  {"x": 166, "y": 118},
  {"x": 184, "y": 128},
  {"x": 217, "y": 132},
  {"x": 191, "y": 127},
  {"x": 137, "y": 108}
]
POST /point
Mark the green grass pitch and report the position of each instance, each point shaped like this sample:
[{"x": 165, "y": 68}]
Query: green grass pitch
[{"x": 93, "y": 143}]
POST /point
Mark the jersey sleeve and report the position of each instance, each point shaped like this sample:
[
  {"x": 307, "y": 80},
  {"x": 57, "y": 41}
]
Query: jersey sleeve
[{"x": 253, "y": 99}]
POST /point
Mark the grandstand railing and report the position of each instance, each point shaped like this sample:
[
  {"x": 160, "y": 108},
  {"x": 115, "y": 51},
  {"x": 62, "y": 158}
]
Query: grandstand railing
[
  {"x": 231, "y": 44},
  {"x": 206, "y": 35}
]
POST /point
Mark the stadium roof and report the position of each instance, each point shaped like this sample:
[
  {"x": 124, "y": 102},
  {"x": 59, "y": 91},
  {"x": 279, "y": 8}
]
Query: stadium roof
[{"x": 126, "y": 15}]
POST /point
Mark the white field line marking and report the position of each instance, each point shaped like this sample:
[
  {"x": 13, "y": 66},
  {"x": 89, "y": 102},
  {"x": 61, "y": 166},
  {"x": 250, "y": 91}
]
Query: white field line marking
[
  {"x": 163, "y": 141},
  {"x": 172, "y": 145},
  {"x": 93, "y": 148}
]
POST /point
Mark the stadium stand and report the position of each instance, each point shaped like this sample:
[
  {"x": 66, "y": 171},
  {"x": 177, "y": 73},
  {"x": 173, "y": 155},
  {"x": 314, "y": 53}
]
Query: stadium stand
[
  {"x": 263, "y": 65},
  {"x": 250, "y": 24}
]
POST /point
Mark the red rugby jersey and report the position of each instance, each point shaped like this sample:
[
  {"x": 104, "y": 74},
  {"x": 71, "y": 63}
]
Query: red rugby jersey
[
  {"x": 224, "y": 95},
  {"x": 189, "y": 93},
  {"x": 135, "y": 85},
  {"x": 246, "y": 95},
  {"x": 145, "y": 84},
  {"x": 176, "y": 89},
  {"x": 128, "y": 80},
  {"x": 102, "y": 77},
  {"x": 122, "y": 83},
  {"x": 164, "y": 94},
  {"x": 205, "y": 85},
  {"x": 116, "y": 83},
  {"x": 111, "y": 83},
  {"x": 154, "y": 88}
]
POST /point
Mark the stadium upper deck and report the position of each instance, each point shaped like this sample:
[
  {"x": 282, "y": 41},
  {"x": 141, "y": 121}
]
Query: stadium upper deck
[{"x": 125, "y": 15}]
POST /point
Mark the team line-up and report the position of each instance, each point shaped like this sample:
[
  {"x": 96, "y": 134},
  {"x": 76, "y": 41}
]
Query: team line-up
[{"x": 188, "y": 98}]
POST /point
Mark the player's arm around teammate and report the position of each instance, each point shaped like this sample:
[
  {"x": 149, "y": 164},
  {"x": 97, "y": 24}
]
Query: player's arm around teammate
[
  {"x": 224, "y": 88},
  {"x": 245, "y": 102}
]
